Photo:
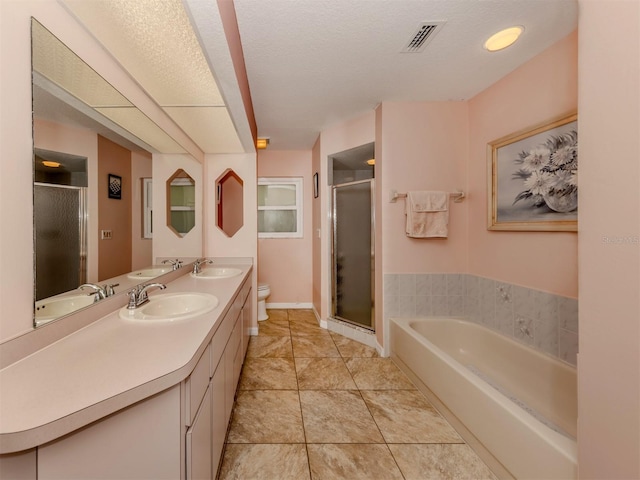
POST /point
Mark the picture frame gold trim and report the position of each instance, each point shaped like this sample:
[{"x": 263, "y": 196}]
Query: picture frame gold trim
[{"x": 566, "y": 222}]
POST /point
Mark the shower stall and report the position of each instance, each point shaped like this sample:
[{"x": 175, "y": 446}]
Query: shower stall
[{"x": 353, "y": 231}]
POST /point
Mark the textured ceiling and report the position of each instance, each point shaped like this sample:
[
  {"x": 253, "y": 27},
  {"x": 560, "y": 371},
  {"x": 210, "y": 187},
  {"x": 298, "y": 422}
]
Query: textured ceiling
[
  {"x": 314, "y": 63},
  {"x": 155, "y": 42}
]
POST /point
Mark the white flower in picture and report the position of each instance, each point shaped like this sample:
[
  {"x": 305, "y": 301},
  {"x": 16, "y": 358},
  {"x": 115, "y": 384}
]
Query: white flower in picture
[
  {"x": 549, "y": 173},
  {"x": 536, "y": 159}
]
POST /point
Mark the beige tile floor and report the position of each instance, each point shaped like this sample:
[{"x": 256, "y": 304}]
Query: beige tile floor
[{"x": 315, "y": 405}]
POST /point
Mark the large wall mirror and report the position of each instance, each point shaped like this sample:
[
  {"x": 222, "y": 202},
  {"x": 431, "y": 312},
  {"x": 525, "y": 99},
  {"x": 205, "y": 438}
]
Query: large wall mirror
[{"x": 92, "y": 148}]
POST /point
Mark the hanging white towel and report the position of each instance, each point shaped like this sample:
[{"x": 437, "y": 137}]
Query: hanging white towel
[{"x": 427, "y": 214}]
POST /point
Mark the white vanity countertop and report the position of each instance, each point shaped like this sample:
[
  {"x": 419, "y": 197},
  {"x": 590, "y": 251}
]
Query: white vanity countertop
[{"x": 106, "y": 366}]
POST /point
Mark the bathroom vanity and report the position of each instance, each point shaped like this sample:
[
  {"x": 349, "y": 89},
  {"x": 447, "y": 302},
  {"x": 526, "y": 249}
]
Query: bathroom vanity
[{"x": 131, "y": 398}]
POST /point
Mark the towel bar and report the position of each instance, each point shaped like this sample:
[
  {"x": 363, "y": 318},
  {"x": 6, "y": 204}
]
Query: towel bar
[{"x": 458, "y": 196}]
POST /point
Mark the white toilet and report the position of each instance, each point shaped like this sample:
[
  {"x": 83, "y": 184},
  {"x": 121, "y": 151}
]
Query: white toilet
[{"x": 263, "y": 292}]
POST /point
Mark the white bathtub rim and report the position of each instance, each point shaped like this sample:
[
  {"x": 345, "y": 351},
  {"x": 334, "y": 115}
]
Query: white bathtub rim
[{"x": 563, "y": 444}]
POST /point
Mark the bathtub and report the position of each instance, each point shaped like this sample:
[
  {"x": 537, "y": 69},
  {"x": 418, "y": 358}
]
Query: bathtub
[{"x": 518, "y": 403}]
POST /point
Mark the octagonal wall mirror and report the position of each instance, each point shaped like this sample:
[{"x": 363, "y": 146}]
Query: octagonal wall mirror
[
  {"x": 181, "y": 203},
  {"x": 229, "y": 193}
]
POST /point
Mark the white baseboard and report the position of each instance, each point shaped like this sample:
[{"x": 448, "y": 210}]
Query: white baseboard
[
  {"x": 253, "y": 331},
  {"x": 289, "y": 306}
]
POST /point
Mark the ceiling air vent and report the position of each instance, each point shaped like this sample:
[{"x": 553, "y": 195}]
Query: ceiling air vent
[{"x": 426, "y": 31}]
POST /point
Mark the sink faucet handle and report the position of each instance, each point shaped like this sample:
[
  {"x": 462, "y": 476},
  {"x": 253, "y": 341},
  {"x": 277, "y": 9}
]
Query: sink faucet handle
[
  {"x": 109, "y": 289},
  {"x": 133, "y": 298},
  {"x": 139, "y": 296},
  {"x": 143, "y": 296},
  {"x": 98, "y": 290},
  {"x": 198, "y": 263},
  {"x": 176, "y": 264}
]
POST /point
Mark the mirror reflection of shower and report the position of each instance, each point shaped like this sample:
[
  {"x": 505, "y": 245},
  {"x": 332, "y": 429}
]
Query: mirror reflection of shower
[
  {"x": 60, "y": 222},
  {"x": 351, "y": 174}
]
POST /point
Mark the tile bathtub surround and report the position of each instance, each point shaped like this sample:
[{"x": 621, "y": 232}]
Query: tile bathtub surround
[
  {"x": 541, "y": 320},
  {"x": 323, "y": 406}
]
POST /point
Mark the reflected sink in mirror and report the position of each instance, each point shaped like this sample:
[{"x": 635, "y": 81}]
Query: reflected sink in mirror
[
  {"x": 51, "y": 308},
  {"x": 170, "y": 307},
  {"x": 149, "y": 273},
  {"x": 217, "y": 272}
]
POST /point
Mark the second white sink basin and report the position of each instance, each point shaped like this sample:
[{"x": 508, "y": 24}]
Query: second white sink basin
[
  {"x": 149, "y": 273},
  {"x": 57, "y": 307},
  {"x": 169, "y": 307},
  {"x": 217, "y": 272}
]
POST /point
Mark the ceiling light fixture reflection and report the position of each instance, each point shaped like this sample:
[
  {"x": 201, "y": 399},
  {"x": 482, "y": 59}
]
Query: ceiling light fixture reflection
[
  {"x": 371, "y": 162},
  {"x": 503, "y": 38},
  {"x": 48, "y": 163}
]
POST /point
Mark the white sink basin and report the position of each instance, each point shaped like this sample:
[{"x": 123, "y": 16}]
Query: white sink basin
[
  {"x": 217, "y": 272},
  {"x": 169, "y": 307},
  {"x": 149, "y": 273},
  {"x": 51, "y": 308}
]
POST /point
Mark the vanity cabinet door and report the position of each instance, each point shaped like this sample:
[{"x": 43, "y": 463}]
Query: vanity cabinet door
[
  {"x": 141, "y": 441},
  {"x": 218, "y": 423},
  {"x": 196, "y": 384},
  {"x": 246, "y": 323},
  {"x": 231, "y": 380},
  {"x": 199, "y": 448}
]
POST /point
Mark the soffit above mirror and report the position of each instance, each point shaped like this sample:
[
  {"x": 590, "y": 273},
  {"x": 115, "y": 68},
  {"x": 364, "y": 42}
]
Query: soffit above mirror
[{"x": 155, "y": 42}]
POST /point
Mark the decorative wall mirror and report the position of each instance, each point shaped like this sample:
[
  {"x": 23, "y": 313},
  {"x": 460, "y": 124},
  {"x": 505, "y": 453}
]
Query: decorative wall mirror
[
  {"x": 229, "y": 193},
  {"x": 181, "y": 203}
]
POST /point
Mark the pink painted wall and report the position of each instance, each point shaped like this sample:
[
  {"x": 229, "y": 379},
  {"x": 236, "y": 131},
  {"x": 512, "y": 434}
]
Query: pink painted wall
[
  {"x": 316, "y": 229},
  {"x": 609, "y": 219},
  {"x": 286, "y": 263},
  {"x": 542, "y": 260},
  {"x": 424, "y": 147},
  {"x": 114, "y": 255}
]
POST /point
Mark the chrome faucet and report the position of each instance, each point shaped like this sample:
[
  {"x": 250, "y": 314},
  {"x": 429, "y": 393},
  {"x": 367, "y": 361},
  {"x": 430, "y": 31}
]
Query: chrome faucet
[
  {"x": 176, "y": 264},
  {"x": 101, "y": 292},
  {"x": 198, "y": 263},
  {"x": 138, "y": 296}
]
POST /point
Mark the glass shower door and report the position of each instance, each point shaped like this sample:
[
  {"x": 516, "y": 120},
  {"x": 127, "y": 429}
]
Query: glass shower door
[
  {"x": 60, "y": 238},
  {"x": 353, "y": 261}
]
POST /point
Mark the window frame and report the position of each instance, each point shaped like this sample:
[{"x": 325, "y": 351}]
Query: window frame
[{"x": 297, "y": 182}]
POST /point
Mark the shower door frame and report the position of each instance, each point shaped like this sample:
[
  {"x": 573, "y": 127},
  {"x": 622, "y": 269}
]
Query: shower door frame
[{"x": 334, "y": 263}]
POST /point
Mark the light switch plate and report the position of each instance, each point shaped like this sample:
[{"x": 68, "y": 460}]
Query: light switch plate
[{"x": 105, "y": 234}]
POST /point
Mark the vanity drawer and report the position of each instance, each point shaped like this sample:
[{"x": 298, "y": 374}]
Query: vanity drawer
[{"x": 196, "y": 385}]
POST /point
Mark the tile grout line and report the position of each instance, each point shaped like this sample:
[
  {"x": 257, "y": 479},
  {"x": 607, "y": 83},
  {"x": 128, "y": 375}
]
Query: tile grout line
[
  {"x": 360, "y": 391},
  {"x": 295, "y": 370}
]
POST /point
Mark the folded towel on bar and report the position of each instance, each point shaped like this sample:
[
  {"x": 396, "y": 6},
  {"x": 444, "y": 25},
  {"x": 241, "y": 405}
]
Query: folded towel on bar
[{"x": 427, "y": 214}]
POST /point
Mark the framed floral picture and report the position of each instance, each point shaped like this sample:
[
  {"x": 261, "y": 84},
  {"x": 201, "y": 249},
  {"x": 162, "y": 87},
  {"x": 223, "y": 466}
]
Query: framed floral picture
[{"x": 533, "y": 178}]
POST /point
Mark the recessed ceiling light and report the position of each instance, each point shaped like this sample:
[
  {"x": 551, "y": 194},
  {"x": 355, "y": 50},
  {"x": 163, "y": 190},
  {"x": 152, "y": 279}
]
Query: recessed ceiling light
[
  {"x": 48, "y": 163},
  {"x": 503, "y": 38}
]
